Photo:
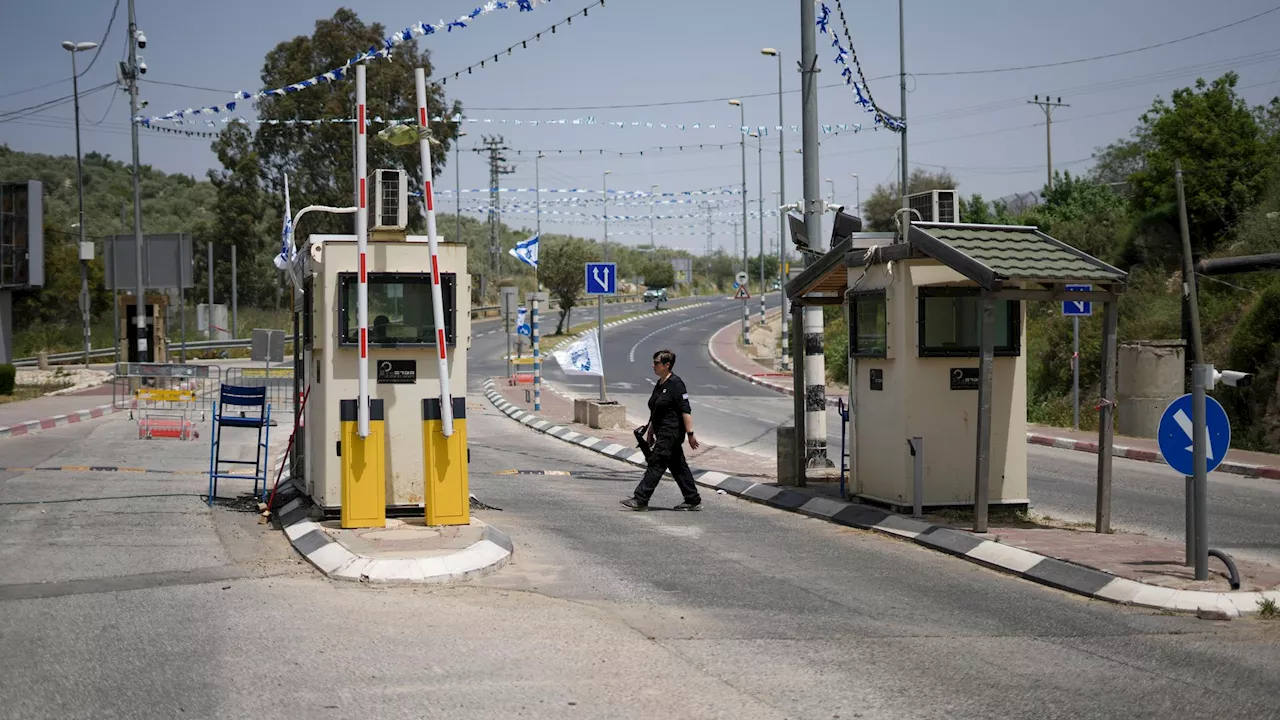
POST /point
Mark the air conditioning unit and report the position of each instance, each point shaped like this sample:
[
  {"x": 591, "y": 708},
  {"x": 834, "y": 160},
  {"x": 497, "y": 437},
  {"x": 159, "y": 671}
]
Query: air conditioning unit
[
  {"x": 391, "y": 200},
  {"x": 941, "y": 206}
]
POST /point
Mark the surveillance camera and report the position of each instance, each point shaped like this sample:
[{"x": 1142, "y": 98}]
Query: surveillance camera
[
  {"x": 142, "y": 39},
  {"x": 836, "y": 208},
  {"x": 142, "y": 67},
  {"x": 1234, "y": 378}
]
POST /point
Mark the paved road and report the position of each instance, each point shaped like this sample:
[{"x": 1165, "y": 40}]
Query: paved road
[
  {"x": 159, "y": 607},
  {"x": 1146, "y": 497}
]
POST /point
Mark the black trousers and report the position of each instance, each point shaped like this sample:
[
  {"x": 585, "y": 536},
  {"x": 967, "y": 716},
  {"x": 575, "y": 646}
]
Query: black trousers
[{"x": 668, "y": 455}]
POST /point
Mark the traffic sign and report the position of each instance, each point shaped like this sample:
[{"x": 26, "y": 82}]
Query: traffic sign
[
  {"x": 602, "y": 278},
  {"x": 1175, "y": 435},
  {"x": 1077, "y": 308},
  {"x": 741, "y": 279},
  {"x": 742, "y": 294}
]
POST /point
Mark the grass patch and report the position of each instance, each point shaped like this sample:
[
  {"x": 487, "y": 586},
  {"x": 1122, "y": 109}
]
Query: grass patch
[
  {"x": 1267, "y": 609},
  {"x": 29, "y": 392}
]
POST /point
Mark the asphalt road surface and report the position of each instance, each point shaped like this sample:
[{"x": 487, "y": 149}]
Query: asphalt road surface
[{"x": 729, "y": 412}]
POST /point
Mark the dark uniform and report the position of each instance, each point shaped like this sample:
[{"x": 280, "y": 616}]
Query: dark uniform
[{"x": 667, "y": 405}]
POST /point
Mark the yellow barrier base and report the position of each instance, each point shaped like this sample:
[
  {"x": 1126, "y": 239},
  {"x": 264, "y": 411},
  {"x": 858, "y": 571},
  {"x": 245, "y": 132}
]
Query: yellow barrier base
[
  {"x": 364, "y": 475},
  {"x": 446, "y": 494}
]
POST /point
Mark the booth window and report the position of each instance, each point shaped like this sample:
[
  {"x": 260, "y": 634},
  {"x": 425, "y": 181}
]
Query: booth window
[
  {"x": 868, "y": 324},
  {"x": 951, "y": 323},
  {"x": 400, "y": 309}
]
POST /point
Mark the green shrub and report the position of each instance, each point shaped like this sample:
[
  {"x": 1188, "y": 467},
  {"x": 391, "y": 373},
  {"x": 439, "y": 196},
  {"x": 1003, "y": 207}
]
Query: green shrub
[
  {"x": 8, "y": 377},
  {"x": 835, "y": 348}
]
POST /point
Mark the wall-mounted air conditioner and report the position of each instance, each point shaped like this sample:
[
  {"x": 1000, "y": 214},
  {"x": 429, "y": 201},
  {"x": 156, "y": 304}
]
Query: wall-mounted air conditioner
[
  {"x": 935, "y": 206},
  {"x": 391, "y": 200}
]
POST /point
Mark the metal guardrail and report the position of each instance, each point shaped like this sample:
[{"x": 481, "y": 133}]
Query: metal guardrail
[{"x": 237, "y": 343}]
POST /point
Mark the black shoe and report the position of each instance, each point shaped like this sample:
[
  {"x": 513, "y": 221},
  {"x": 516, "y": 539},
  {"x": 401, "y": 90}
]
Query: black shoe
[
  {"x": 635, "y": 504},
  {"x": 689, "y": 506}
]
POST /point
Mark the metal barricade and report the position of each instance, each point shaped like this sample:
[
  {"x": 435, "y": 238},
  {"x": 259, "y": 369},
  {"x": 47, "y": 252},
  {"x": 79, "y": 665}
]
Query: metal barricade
[
  {"x": 279, "y": 384},
  {"x": 165, "y": 398}
]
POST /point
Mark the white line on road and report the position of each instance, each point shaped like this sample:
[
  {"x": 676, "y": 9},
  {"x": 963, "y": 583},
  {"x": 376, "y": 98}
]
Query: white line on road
[{"x": 631, "y": 356}]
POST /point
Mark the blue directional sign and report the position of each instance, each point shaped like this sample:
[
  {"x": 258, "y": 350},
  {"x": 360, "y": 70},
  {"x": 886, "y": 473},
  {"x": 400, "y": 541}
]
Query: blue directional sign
[
  {"x": 1077, "y": 308},
  {"x": 602, "y": 278},
  {"x": 1175, "y": 434}
]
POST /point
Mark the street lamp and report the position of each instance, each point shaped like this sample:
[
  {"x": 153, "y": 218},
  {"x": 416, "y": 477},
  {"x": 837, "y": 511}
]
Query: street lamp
[
  {"x": 86, "y": 251},
  {"x": 653, "y": 189},
  {"x": 457, "y": 185},
  {"x": 782, "y": 194},
  {"x": 858, "y": 183},
  {"x": 760, "y": 206},
  {"x": 742, "y": 124}
]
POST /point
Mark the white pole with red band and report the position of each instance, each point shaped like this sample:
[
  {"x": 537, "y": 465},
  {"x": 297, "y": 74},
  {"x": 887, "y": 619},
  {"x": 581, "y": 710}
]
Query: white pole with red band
[
  {"x": 437, "y": 301},
  {"x": 362, "y": 247}
]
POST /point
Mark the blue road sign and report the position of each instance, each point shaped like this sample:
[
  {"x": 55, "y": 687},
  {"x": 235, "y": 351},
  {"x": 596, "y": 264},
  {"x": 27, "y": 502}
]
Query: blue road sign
[
  {"x": 602, "y": 278},
  {"x": 1077, "y": 308},
  {"x": 1175, "y": 434}
]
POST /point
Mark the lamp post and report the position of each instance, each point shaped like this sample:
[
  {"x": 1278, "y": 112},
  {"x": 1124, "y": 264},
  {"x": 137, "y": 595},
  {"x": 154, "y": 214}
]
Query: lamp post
[
  {"x": 74, "y": 48},
  {"x": 457, "y": 185},
  {"x": 782, "y": 195},
  {"x": 604, "y": 396},
  {"x": 858, "y": 182},
  {"x": 746, "y": 267},
  {"x": 760, "y": 207}
]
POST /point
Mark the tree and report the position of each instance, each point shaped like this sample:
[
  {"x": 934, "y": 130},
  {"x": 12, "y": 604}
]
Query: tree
[
  {"x": 244, "y": 217},
  {"x": 659, "y": 274},
  {"x": 975, "y": 210},
  {"x": 560, "y": 269},
  {"x": 318, "y": 158},
  {"x": 885, "y": 200},
  {"x": 1226, "y": 159}
]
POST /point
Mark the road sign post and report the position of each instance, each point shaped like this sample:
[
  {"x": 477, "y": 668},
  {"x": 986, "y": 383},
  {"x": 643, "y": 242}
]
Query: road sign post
[
  {"x": 1192, "y": 415},
  {"x": 1076, "y": 309},
  {"x": 743, "y": 294},
  {"x": 601, "y": 280}
]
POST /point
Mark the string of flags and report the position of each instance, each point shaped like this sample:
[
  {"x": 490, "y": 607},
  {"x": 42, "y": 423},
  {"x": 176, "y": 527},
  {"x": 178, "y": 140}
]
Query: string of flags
[
  {"x": 524, "y": 44},
  {"x": 597, "y": 191},
  {"x": 389, "y": 44},
  {"x": 859, "y": 86},
  {"x": 527, "y": 210}
]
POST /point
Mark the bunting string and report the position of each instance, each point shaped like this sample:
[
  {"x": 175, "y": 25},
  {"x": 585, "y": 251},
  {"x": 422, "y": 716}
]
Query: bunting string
[
  {"x": 389, "y": 44},
  {"x": 859, "y": 86},
  {"x": 524, "y": 44}
]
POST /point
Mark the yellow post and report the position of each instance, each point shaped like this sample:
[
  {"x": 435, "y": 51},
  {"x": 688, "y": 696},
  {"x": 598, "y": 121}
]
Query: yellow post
[
  {"x": 446, "y": 495},
  {"x": 364, "y": 476}
]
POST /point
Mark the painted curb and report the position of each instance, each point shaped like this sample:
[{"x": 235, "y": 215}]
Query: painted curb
[
  {"x": 1059, "y": 574},
  {"x": 34, "y": 426},
  {"x": 1268, "y": 472},
  {"x": 331, "y": 558}
]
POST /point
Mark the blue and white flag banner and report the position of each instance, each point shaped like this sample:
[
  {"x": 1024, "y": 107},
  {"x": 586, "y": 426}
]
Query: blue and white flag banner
[
  {"x": 582, "y": 357},
  {"x": 842, "y": 58},
  {"x": 287, "y": 251},
  {"x": 526, "y": 251},
  {"x": 389, "y": 44},
  {"x": 531, "y": 210},
  {"x": 612, "y": 193}
]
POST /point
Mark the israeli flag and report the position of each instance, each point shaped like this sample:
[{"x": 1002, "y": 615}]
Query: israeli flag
[
  {"x": 287, "y": 251},
  {"x": 581, "y": 358},
  {"x": 526, "y": 251}
]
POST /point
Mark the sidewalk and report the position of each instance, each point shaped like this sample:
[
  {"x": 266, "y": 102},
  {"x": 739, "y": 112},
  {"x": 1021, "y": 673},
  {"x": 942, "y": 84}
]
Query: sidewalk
[
  {"x": 1120, "y": 568},
  {"x": 726, "y": 354}
]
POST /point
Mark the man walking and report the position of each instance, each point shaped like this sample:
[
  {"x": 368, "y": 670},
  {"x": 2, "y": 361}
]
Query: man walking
[{"x": 670, "y": 422}]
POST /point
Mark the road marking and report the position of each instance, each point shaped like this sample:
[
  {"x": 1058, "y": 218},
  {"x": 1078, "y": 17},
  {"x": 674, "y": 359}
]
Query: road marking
[
  {"x": 631, "y": 357},
  {"x": 533, "y": 472}
]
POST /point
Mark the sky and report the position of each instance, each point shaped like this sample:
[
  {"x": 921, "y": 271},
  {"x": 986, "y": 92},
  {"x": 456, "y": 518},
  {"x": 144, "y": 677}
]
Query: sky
[{"x": 663, "y": 61}]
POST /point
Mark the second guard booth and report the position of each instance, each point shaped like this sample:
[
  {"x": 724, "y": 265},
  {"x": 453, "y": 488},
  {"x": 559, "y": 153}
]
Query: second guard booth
[{"x": 937, "y": 345}]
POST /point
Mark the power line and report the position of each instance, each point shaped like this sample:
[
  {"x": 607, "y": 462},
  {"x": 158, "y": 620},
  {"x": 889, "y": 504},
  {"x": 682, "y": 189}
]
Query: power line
[
  {"x": 82, "y": 72},
  {"x": 1097, "y": 57},
  {"x": 48, "y": 105}
]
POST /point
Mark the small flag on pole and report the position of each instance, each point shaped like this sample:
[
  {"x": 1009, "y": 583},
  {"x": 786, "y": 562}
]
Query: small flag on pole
[
  {"x": 581, "y": 358},
  {"x": 286, "y": 233},
  {"x": 526, "y": 251}
]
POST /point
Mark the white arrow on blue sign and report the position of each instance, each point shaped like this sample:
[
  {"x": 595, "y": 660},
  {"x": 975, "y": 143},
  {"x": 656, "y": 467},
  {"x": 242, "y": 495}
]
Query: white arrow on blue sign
[
  {"x": 1077, "y": 308},
  {"x": 1175, "y": 433},
  {"x": 602, "y": 278}
]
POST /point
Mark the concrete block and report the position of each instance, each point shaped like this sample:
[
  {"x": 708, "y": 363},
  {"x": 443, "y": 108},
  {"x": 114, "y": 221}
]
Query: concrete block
[
  {"x": 580, "y": 410},
  {"x": 786, "y": 456},
  {"x": 605, "y": 416},
  {"x": 1148, "y": 376}
]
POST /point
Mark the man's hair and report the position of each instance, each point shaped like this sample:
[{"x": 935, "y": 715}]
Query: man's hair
[{"x": 666, "y": 357}]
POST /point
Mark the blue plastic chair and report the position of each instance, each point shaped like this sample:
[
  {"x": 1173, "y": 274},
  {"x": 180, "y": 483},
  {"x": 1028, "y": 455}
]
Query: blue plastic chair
[{"x": 233, "y": 409}]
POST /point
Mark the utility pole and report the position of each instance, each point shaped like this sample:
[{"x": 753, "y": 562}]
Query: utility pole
[
  {"x": 457, "y": 186},
  {"x": 811, "y": 400},
  {"x": 494, "y": 148},
  {"x": 1047, "y": 105},
  {"x": 902, "y": 98},
  {"x": 760, "y": 207},
  {"x": 131, "y": 72}
]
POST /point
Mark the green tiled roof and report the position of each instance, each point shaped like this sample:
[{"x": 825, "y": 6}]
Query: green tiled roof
[{"x": 1023, "y": 254}]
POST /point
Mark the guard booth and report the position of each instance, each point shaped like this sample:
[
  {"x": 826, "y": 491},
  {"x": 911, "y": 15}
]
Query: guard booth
[
  {"x": 155, "y": 311},
  {"x": 403, "y": 361},
  {"x": 938, "y": 367}
]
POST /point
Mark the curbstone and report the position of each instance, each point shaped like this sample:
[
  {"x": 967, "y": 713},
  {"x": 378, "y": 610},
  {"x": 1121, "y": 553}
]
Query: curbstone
[
  {"x": 34, "y": 426},
  {"x": 1076, "y": 579}
]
